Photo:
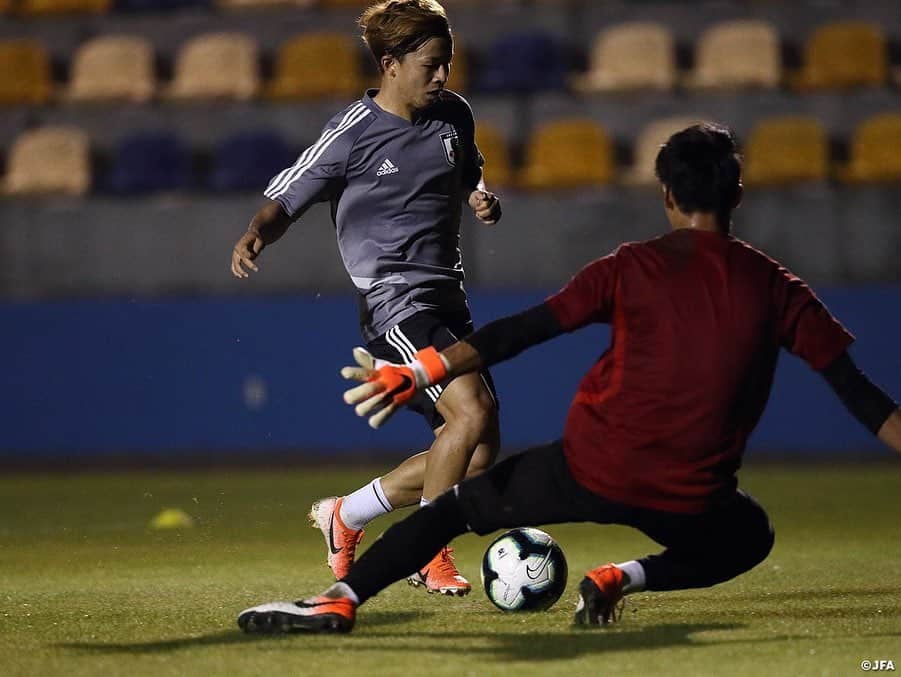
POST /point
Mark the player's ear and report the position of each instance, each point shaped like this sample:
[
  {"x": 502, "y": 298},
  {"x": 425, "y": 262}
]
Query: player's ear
[
  {"x": 739, "y": 194},
  {"x": 389, "y": 65},
  {"x": 668, "y": 198}
]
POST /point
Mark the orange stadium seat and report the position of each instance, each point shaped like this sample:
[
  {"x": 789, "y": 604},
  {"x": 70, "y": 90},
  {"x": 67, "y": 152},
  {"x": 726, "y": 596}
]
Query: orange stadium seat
[
  {"x": 317, "y": 65},
  {"x": 875, "y": 151},
  {"x": 217, "y": 66},
  {"x": 647, "y": 145},
  {"x": 33, "y": 8},
  {"x": 49, "y": 160},
  {"x": 630, "y": 56},
  {"x": 24, "y": 73},
  {"x": 568, "y": 153},
  {"x": 786, "y": 150},
  {"x": 113, "y": 67},
  {"x": 736, "y": 54},
  {"x": 496, "y": 153},
  {"x": 842, "y": 55}
]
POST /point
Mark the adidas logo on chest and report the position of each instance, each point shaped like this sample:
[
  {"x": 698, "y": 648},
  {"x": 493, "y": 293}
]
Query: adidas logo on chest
[{"x": 387, "y": 167}]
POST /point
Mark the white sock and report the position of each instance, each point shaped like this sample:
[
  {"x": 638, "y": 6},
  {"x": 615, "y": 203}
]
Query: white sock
[
  {"x": 635, "y": 572},
  {"x": 423, "y": 501},
  {"x": 364, "y": 505},
  {"x": 340, "y": 589}
]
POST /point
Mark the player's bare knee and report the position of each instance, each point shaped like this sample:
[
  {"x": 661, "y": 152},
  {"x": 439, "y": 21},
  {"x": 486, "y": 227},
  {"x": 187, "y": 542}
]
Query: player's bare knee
[{"x": 476, "y": 413}]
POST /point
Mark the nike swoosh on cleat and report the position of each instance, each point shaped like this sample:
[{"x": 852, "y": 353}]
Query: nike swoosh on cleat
[{"x": 331, "y": 535}]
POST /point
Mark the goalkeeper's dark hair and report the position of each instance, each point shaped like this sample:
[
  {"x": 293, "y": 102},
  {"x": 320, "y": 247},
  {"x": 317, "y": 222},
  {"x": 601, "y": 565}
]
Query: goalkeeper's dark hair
[{"x": 701, "y": 167}]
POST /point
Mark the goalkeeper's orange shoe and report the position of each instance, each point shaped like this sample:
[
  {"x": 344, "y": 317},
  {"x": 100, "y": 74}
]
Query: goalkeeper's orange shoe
[
  {"x": 341, "y": 541},
  {"x": 317, "y": 614},
  {"x": 441, "y": 576},
  {"x": 600, "y": 596}
]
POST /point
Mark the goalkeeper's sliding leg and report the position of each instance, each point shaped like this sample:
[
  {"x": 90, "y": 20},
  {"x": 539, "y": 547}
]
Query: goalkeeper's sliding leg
[{"x": 466, "y": 444}]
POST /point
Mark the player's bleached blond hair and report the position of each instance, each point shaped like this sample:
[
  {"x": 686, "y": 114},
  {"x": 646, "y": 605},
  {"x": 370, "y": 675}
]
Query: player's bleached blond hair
[{"x": 398, "y": 27}]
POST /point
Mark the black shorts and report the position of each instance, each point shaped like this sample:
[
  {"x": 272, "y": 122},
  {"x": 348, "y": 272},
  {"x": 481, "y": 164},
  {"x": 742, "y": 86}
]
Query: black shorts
[
  {"x": 536, "y": 488},
  {"x": 425, "y": 329}
]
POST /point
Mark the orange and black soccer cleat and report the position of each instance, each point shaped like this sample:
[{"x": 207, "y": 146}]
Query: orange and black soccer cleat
[
  {"x": 441, "y": 576},
  {"x": 341, "y": 541},
  {"x": 317, "y": 614},
  {"x": 600, "y": 596}
]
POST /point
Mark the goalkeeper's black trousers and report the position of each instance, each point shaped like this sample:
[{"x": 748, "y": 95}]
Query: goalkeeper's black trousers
[{"x": 535, "y": 488}]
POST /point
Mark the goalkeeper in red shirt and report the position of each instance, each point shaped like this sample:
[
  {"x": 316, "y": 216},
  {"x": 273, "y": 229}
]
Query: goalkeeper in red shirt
[{"x": 657, "y": 428}]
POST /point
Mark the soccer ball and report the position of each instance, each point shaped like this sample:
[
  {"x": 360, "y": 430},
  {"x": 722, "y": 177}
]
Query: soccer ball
[{"x": 524, "y": 570}]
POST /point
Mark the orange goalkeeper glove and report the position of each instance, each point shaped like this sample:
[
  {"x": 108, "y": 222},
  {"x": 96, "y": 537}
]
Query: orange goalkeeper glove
[{"x": 389, "y": 386}]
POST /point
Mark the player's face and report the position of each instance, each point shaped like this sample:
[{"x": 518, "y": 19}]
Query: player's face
[{"x": 420, "y": 76}]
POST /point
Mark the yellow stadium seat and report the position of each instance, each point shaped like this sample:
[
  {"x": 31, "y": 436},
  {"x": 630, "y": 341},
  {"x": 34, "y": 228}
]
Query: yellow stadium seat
[
  {"x": 568, "y": 153},
  {"x": 33, "y": 8},
  {"x": 317, "y": 65},
  {"x": 647, "y": 145},
  {"x": 786, "y": 150},
  {"x": 459, "y": 79},
  {"x": 496, "y": 152},
  {"x": 6, "y": 6},
  {"x": 736, "y": 54},
  {"x": 630, "y": 56},
  {"x": 49, "y": 160},
  {"x": 113, "y": 67},
  {"x": 24, "y": 73},
  {"x": 875, "y": 151},
  {"x": 217, "y": 66},
  {"x": 842, "y": 55}
]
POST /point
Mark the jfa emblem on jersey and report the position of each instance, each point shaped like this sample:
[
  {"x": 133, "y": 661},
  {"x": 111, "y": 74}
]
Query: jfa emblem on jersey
[{"x": 451, "y": 147}]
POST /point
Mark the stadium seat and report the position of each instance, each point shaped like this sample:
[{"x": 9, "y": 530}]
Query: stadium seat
[
  {"x": 113, "y": 67},
  {"x": 217, "y": 66},
  {"x": 786, "y": 150},
  {"x": 261, "y": 4},
  {"x": 875, "y": 152},
  {"x": 736, "y": 54},
  {"x": 248, "y": 161},
  {"x": 344, "y": 3},
  {"x": 496, "y": 153},
  {"x": 524, "y": 62},
  {"x": 158, "y": 5},
  {"x": 567, "y": 153},
  {"x": 317, "y": 65},
  {"x": 24, "y": 73},
  {"x": 36, "y": 8},
  {"x": 647, "y": 145},
  {"x": 630, "y": 56},
  {"x": 49, "y": 160},
  {"x": 843, "y": 55},
  {"x": 147, "y": 162}
]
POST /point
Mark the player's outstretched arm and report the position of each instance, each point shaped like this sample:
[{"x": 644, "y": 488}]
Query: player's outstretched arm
[
  {"x": 386, "y": 389},
  {"x": 267, "y": 226},
  {"x": 866, "y": 401}
]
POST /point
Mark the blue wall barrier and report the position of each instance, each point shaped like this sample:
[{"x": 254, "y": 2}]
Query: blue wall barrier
[{"x": 261, "y": 375}]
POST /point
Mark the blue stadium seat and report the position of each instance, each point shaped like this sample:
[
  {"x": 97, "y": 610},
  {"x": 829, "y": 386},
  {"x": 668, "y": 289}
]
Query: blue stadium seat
[
  {"x": 148, "y": 162},
  {"x": 524, "y": 62},
  {"x": 248, "y": 160}
]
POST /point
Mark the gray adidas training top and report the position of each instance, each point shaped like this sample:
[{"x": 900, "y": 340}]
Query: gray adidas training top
[{"x": 396, "y": 190}]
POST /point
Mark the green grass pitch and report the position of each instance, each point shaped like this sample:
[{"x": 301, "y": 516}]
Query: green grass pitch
[{"x": 87, "y": 589}]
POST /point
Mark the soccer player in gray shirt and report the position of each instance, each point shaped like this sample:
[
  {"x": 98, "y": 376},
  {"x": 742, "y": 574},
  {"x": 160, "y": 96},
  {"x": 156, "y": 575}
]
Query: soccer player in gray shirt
[{"x": 396, "y": 167}]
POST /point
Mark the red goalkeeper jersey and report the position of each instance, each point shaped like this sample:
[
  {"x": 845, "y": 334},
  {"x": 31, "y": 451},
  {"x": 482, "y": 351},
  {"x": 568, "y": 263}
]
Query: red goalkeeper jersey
[{"x": 662, "y": 418}]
